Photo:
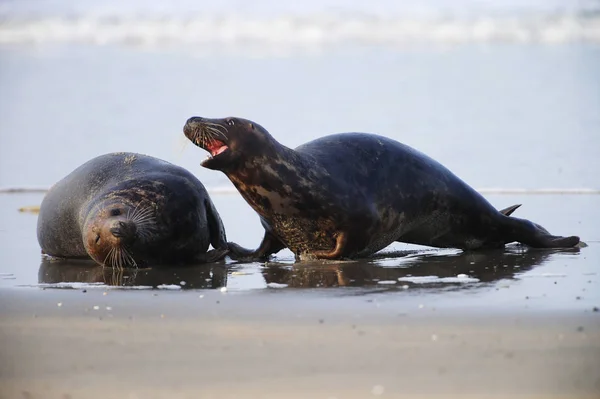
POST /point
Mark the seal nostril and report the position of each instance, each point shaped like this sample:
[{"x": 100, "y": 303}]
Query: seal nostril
[{"x": 193, "y": 121}]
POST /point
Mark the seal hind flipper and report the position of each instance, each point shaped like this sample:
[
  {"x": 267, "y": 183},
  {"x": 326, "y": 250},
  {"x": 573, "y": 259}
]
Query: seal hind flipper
[
  {"x": 536, "y": 236},
  {"x": 508, "y": 211},
  {"x": 269, "y": 245}
]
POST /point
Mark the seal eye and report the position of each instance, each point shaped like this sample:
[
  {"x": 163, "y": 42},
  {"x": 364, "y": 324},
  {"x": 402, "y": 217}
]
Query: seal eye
[
  {"x": 115, "y": 212},
  {"x": 230, "y": 122}
]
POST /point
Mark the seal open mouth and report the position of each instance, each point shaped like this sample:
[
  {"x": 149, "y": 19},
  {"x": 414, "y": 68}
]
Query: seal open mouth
[
  {"x": 207, "y": 135},
  {"x": 216, "y": 147}
]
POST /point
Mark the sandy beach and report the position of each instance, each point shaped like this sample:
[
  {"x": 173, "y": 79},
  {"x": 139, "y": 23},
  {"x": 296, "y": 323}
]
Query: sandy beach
[{"x": 123, "y": 344}]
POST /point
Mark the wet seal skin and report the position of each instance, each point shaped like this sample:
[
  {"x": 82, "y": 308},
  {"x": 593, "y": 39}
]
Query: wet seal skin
[
  {"x": 350, "y": 195},
  {"x": 131, "y": 210}
]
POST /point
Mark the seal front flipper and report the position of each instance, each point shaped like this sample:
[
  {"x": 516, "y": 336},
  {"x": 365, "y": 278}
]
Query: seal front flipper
[
  {"x": 216, "y": 230},
  {"x": 269, "y": 245},
  {"x": 214, "y": 255}
]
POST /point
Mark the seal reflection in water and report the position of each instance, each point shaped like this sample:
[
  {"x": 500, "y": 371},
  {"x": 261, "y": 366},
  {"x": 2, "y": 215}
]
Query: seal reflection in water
[
  {"x": 128, "y": 210},
  {"x": 350, "y": 195}
]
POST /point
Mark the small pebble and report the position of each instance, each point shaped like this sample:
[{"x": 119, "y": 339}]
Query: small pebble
[
  {"x": 580, "y": 329},
  {"x": 182, "y": 283},
  {"x": 321, "y": 321},
  {"x": 201, "y": 296},
  {"x": 434, "y": 337},
  {"x": 105, "y": 293},
  {"x": 595, "y": 309},
  {"x": 421, "y": 306},
  {"x": 96, "y": 307},
  {"x": 405, "y": 287},
  {"x": 59, "y": 304},
  {"x": 578, "y": 297},
  {"x": 84, "y": 291},
  {"x": 162, "y": 316},
  {"x": 223, "y": 289},
  {"x": 108, "y": 308}
]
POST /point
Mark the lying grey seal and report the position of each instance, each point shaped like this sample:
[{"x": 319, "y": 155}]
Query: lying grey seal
[
  {"x": 127, "y": 210},
  {"x": 349, "y": 195}
]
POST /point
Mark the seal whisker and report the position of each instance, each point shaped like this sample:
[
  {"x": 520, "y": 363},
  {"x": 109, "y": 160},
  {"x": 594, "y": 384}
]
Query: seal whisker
[
  {"x": 142, "y": 214},
  {"x": 128, "y": 258},
  {"x": 214, "y": 131},
  {"x": 135, "y": 211},
  {"x": 120, "y": 259},
  {"x": 111, "y": 257},
  {"x": 218, "y": 130},
  {"x": 107, "y": 256},
  {"x": 117, "y": 258},
  {"x": 114, "y": 258}
]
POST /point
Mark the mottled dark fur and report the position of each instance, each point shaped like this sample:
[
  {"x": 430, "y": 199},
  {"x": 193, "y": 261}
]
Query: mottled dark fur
[
  {"x": 93, "y": 210},
  {"x": 351, "y": 194}
]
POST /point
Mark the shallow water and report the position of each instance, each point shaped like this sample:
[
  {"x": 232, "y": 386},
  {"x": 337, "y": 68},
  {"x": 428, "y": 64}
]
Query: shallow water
[
  {"x": 507, "y": 114},
  {"x": 516, "y": 277}
]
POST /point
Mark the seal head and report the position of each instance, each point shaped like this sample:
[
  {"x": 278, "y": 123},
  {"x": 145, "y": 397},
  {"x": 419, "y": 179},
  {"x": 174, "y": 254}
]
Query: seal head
[
  {"x": 113, "y": 233},
  {"x": 230, "y": 142}
]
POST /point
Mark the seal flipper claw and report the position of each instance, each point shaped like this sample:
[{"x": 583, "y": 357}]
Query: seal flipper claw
[
  {"x": 341, "y": 241},
  {"x": 269, "y": 245}
]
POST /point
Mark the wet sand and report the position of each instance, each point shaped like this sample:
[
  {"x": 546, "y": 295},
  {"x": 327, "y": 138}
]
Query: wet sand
[{"x": 285, "y": 343}]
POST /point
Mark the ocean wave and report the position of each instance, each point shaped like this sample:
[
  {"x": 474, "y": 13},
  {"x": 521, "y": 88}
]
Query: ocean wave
[{"x": 300, "y": 30}]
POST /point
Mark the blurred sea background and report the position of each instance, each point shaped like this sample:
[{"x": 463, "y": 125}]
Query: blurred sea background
[{"x": 504, "y": 93}]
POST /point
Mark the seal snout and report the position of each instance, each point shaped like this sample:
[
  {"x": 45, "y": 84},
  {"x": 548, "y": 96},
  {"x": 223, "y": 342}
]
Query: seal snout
[
  {"x": 211, "y": 135},
  {"x": 124, "y": 230},
  {"x": 192, "y": 124}
]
